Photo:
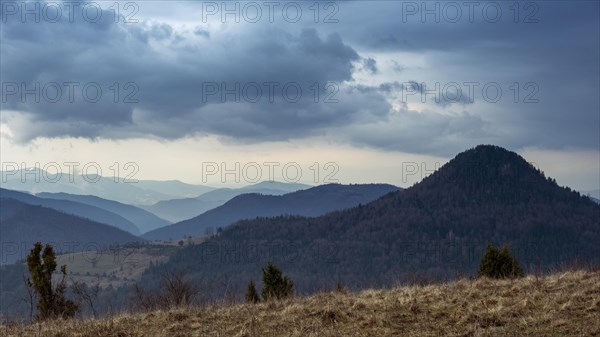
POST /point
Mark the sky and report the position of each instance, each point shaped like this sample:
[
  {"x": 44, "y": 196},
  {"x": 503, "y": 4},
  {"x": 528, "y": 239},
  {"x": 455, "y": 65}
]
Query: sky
[{"x": 226, "y": 93}]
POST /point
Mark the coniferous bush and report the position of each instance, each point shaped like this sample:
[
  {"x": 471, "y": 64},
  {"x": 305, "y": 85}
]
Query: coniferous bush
[
  {"x": 275, "y": 284},
  {"x": 251, "y": 293},
  {"x": 498, "y": 264}
]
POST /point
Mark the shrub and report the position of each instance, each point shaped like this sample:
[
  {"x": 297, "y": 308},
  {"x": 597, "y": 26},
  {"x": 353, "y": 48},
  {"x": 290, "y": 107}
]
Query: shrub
[
  {"x": 275, "y": 284},
  {"x": 52, "y": 302},
  {"x": 498, "y": 264},
  {"x": 175, "y": 291},
  {"x": 251, "y": 293}
]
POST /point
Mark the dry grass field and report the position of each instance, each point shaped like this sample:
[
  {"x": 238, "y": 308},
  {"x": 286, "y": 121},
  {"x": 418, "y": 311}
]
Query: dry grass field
[
  {"x": 116, "y": 268},
  {"x": 121, "y": 265},
  {"x": 561, "y": 305}
]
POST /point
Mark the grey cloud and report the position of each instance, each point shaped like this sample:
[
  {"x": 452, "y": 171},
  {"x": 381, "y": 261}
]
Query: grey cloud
[
  {"x": 168, "y": 80},
  {"x": 370, "y": 65},
  {"x": 396, "y": 66},
  {"x": 559, "y": 53},
  {"x": 421, "y": 132},
  {"x": 202, "y": 32},
  {"x": 449, "y": 93},
  {"x": 170, "y": 65},
  {"x": 442, "y": 96}
]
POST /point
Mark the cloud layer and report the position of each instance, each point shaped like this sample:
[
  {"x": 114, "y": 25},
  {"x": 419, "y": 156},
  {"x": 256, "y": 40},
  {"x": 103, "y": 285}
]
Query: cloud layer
[{"x": 177, "y": 75}]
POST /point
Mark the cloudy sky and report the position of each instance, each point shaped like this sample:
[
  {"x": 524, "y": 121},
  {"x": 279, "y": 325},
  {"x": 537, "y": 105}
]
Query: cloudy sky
[{"x": 369, "y": 91}]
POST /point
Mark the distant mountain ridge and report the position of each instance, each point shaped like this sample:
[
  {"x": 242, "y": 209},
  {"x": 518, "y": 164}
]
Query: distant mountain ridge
[
  {"x": 83, "y": 210},
  {"x": 437, "y": 228},
  {"x": 141, "y": 218},
  {"x": 176, "y": 210},
  {"x": 310, "y": 202},
  {"x": 129, "y": 191},
  {"x": 22, "y": 224}
]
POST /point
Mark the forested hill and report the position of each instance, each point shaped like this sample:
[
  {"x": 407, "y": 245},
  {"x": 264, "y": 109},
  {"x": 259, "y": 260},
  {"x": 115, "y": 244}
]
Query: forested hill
[
  {"x": 314, "y": 201},
  {"x": 23, "y": 224},
  {"x": 438, "y": 227}
]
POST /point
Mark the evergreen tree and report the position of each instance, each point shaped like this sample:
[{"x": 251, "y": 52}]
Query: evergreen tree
[
  {"x": 41, "y": 277},
  {"x": 509, "y": 264},
  {"x": 252, "y": 294},
  {"x": 51, "y": 301},
  {"x": 497, "y": 263},
  {"x": 275, "y": 284}
]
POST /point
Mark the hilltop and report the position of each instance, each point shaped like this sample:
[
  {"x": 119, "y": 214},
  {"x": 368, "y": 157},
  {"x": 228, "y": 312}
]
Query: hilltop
[{"x": 565, "y": 304}]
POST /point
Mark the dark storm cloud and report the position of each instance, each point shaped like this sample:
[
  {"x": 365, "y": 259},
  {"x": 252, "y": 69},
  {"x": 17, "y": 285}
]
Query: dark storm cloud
[
  {"x": 160, "y": 79},
  {"x": 552, "y": 44},
  {"x": 452, "y": 95},
  {"x": 163, "y": 71}
]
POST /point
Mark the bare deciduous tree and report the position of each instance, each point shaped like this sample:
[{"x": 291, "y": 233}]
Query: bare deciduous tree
[
  {"x": 178, "y": 290},
  {"x": 175, "y": 291},
  {"x": 31, "y": 296},
  {"x": 87, "y": 294}
]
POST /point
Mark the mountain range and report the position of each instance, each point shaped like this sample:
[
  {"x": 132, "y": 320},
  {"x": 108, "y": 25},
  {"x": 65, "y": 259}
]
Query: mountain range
[
  {"x": 142, "y": 219},
  {"x": 436, "y": 229},
  {"x": 176, "y": 210},
  {"x": 82, "y": 210},
  {"x": 309, "y": 202},
  {"x": 128, "y": 191},
  {"x": 22, "y": 224},
  {"x": 359, "y": 235}
]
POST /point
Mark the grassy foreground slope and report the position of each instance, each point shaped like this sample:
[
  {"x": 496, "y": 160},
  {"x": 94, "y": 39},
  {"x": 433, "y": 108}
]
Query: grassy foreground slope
[{"x": 566, "y": 304}]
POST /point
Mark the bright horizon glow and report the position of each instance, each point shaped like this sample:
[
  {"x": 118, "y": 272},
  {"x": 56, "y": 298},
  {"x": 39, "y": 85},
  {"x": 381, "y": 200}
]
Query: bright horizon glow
[{"x": 575, "y": 169}]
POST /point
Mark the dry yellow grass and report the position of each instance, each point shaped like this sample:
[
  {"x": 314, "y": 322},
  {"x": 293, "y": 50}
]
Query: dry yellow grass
[
  {"x": 114, "y": 267},
  {"x": 566, "y": 304}
]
